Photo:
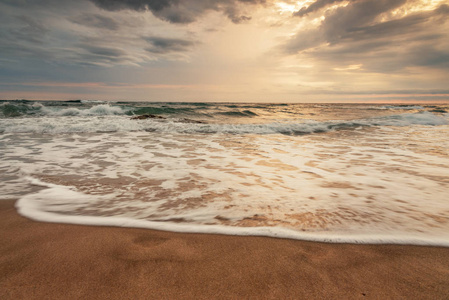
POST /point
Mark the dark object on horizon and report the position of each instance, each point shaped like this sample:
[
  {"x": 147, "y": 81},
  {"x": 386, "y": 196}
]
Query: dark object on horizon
[
  {"x": 147, "y": 116},
  {"x": 438, "y": 110}
]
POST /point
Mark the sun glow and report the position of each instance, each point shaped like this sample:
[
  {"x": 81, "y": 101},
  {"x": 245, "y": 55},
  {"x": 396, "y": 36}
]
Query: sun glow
[
  {"x": 285, "y": 8},
  {"x": 424, "y": 5},
  {"x": 293, "y": 6},
  {"x": 350, "y": 68}
]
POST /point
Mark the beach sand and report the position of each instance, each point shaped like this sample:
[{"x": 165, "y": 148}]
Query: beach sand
[{"x": 59, "y": 261}]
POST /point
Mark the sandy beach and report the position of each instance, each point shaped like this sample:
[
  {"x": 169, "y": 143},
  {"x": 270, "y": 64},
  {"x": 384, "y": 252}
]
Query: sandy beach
[{"x": 55, "y": 261}]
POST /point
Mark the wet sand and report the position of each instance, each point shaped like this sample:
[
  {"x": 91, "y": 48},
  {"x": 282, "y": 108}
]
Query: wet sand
[{"x": 59, "y": 261}]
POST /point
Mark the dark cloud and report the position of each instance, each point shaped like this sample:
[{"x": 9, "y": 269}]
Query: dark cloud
[
  {"x": 410, "y": 26},
  {"x": 139, "y": 5},
  {"x": 37, "y": 32},
  {"x": 341, "y": 22},
  {"x": 162, "y": 45},
  {"x": 317, "y": 5},
  {"x": 443, "y": 9},
  {"x": 179, "y": 11},
  {"x": 354, "y": 15},
  {"x": 103, "y": 51},
  {"x": 96, "y": 21},
  {"x": 430, "y": 56},
  {"x": 382, "y": 57},
  {"x": 355, "y": 34},
  {"x": 234, "y": 15}
]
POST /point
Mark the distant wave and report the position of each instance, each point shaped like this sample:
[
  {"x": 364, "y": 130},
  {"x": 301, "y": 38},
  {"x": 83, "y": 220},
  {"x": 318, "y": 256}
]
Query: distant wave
[
  {"x": 405, "y": 107},
  {"x": 100, "y": 108},
  {"x": 396, "y": 107},
  {"x": 159, "y": 110},
  {"x": 20, "y": 109},
  {"x": 237, "y": 113},
  {"x": 89, "y": 120}
]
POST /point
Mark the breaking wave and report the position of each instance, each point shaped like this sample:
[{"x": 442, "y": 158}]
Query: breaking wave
[
  {"x": 90, "y": 121},
  {"x": 22, "y": 109}
]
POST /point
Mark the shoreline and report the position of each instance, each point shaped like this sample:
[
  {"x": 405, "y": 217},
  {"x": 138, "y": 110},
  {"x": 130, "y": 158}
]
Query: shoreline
[
  {"x": 52, "y": 260},
  {"x": 28, "y": 209}
]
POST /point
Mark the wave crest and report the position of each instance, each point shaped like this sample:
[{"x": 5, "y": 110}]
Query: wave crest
[{"x": 89, "y": 121}]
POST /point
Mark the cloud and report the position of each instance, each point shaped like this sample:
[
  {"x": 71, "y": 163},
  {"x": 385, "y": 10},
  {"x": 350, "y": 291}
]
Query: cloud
[
  {"x": 366, "y": 32},
  {"x": 96, "y": 21},
  {"x": 178, "y": 11},
  {"x": 99, "y": 33},
  {"x": 29, "y": 29},
  {"x": 340, "y": 23},
  {"x": 162, "y": 45},
  {"x": 139, "y": 5},
  {"x": 408, "y": 26},
  {"x": 104, "y": 51},
  {"x": 69, "y": 33},
  {"x": 315, "y": 6}
]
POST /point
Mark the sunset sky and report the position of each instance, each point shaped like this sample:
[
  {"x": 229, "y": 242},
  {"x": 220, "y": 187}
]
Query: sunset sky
[{"x": 225, "y": 50}]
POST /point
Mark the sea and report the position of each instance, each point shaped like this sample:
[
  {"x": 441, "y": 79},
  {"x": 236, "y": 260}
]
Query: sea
[{"x": 342, "y": 173}]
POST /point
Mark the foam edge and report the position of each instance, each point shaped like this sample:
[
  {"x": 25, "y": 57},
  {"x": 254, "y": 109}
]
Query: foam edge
[{"x": 28, "y": 207}]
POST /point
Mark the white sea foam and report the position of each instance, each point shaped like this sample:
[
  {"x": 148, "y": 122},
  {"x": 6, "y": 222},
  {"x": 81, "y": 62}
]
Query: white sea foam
[
  {"x": 33, "y": 206},
  {"x": 370, "y": 178},
  {"x": 81, "y": 121},
  {"x": 95, "y": 101},
  {"x": 350, "y": 187},
  {"x": 97, "y": 110}
]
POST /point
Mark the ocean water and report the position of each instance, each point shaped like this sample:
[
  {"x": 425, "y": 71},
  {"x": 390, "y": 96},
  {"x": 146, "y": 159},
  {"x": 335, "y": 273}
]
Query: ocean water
[{"x": 323, "y": 172}]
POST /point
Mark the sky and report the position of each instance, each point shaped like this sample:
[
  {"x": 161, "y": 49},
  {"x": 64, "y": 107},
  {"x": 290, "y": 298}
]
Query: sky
[{"x": 225, "y": 50}]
